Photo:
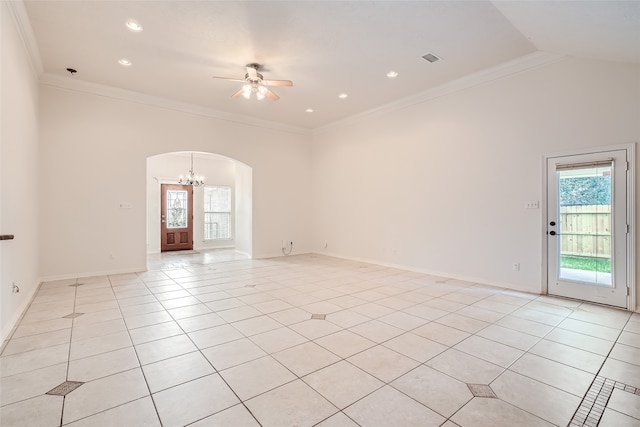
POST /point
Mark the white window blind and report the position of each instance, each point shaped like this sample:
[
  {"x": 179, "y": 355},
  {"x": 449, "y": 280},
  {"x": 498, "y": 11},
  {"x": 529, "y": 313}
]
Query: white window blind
[{"x": 217, "y": 213}]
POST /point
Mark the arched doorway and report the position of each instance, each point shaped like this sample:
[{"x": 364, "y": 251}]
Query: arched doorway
[{"x": 219, "y": 172}]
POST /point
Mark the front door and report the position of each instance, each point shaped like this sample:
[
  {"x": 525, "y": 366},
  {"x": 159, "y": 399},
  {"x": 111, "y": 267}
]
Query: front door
[
  {"x": 176, "y": 222},
  {"x": 587, "y": 227}
]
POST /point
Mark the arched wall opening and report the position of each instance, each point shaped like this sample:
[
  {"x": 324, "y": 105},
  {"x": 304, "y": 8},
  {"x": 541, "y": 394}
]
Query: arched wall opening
[
  {"x": 217, "y": 170},
  {"x": 106, "y": 141}
]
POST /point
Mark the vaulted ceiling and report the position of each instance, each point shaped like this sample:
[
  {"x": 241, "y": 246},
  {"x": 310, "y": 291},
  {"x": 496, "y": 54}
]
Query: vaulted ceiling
[{"x": 326, "y": 48}]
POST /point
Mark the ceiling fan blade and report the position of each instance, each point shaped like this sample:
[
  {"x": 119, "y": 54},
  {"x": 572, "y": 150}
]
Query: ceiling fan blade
[
  {"x": 238, "y": 93},
  {"x": 269, "y": 94},
  {"x": 253, "y": 73},
  {"x": 229, "y": 79},
  {"x": 277, "y": 82}
]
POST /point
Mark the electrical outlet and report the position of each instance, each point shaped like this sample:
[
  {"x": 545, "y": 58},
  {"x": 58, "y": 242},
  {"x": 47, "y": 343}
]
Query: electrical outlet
[{"x": 516, "y": 266}]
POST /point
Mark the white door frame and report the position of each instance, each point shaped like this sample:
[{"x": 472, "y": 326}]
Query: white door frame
[{"x": 631, "y": 215}]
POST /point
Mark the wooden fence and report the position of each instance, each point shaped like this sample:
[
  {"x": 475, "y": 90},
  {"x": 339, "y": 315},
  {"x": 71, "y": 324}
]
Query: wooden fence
[{"x": 585, "y": 231}]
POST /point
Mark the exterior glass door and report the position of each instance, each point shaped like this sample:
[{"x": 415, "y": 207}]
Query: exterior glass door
[{"x": 587, "y": 227}]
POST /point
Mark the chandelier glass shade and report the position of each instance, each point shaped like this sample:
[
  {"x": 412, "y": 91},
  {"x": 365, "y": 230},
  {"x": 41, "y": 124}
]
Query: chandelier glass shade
[
  {"x": 192, "y": 178},
  {"x": 254, "y": 88}
]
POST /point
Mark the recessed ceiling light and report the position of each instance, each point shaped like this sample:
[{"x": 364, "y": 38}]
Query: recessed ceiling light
[
  {"x": 134, "y": 26},
  {"x": 124, "y": 62},
  {"x": 309, "y": 110},
  {"x": 343, "y": 96},
  {"x": 392, "y": 74}
]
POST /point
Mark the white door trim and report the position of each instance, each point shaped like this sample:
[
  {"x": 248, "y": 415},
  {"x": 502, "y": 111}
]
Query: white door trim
[{"x": 631, "y": 215}]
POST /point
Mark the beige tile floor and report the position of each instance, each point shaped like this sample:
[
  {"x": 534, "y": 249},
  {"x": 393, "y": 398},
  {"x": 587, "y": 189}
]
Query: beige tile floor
[{"x": 212, "y": 339}]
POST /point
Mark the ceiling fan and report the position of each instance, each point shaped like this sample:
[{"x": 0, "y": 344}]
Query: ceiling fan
[{"x": 254, "y": 83}]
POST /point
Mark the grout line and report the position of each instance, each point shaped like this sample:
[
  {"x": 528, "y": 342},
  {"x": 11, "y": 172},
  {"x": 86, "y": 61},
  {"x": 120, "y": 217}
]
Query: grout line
[
  {"x": 64, "y": 398},
  {"x": 136, "y": 352}
]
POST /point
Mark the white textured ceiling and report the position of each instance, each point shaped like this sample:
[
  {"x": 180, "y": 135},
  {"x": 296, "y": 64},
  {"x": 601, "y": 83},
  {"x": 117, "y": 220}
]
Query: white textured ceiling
[{"x": 325, "y": 47}]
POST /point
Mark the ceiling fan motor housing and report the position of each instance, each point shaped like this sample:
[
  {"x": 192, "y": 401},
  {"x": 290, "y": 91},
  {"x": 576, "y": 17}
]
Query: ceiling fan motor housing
[{"x": 259, "y": 77}]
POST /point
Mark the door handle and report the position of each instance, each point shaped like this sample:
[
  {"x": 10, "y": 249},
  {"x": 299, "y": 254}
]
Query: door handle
[
  {"x": 552, "y": 223},
  {"x": 553, "y": 233},
  {"x": 6, "y": 236}
]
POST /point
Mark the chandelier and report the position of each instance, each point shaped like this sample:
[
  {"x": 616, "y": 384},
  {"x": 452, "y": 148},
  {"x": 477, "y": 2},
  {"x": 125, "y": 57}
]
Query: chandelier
[{"x": 191, "y": 179}]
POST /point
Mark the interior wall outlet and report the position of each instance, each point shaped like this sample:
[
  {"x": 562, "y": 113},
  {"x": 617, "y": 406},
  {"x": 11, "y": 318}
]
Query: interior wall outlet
[{"x": 516, "y": 266}]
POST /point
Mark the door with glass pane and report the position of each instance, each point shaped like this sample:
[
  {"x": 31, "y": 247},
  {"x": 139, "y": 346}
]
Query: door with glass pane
[
  {"x": 587, "y": 227},
  {"x": 176, "y": 222}
]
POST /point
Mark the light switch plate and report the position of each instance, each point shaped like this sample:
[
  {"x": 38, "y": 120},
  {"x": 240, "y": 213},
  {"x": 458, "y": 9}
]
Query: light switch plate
[{"x": 532, "y": 204}]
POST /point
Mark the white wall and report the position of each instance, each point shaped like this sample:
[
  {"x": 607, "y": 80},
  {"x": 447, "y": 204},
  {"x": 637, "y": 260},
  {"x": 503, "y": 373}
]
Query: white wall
[
  {"x": 244, "y": 209},
  {"x": 441, "y": 186},
  {"x": 18, "y": 173},
  {"x": 165, "y": 169},
  {"x": 94, "y": 151}
]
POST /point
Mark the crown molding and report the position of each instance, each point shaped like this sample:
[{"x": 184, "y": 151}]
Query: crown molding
[
  {"x": 518, "y": 65},
  {"x": 506, "y": 69},
  {"x": 19, "y": 14},
  {"x": 83, "y": 86}
]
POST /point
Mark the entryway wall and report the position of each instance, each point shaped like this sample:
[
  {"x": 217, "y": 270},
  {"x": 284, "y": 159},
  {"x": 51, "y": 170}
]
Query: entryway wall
[
  {"x": 94, "y": 152},
  {"x": 217, "y": 171}
]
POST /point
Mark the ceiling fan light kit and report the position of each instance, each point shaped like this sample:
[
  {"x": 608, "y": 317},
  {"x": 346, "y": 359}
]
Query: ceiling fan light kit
[
  {"x": 254, "y": 88},
  {"x": 255, "y": 84}
]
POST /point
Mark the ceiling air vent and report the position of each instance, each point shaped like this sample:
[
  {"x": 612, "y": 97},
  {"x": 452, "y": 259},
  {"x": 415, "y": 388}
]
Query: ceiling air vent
[{"x": 431, "y": 57}]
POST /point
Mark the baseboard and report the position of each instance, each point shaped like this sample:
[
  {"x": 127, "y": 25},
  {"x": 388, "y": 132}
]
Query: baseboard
[
  {"x": 248, "y": 255},
  {"x": 94, "y": 273},
  {"x": 449, "y": 275},
  {"x": 278, "y": 255},
  {"x": 209, "y": 248},
  {"x": 9, "y": 328}
]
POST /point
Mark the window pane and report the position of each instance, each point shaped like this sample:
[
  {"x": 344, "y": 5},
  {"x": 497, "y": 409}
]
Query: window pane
[
  {"x": 217, "y": 226},
  {"x": 177, "y": 209},
  {"x": 217, "y": 213},
  {"x": 585, "y": 224},
  {"x": 217, "y": 199}
]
